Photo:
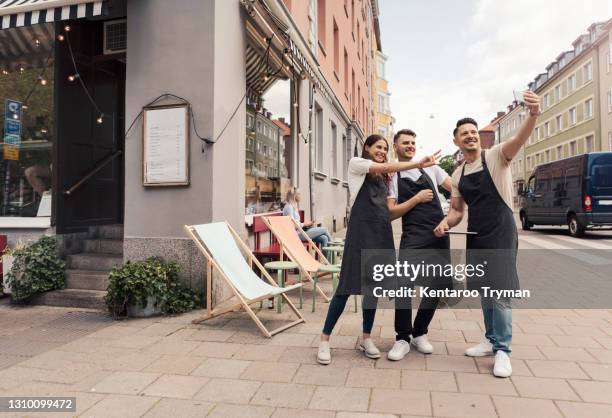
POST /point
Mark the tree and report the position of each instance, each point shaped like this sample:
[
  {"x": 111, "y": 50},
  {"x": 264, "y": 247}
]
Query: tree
[{"x": 447, "y": 163}]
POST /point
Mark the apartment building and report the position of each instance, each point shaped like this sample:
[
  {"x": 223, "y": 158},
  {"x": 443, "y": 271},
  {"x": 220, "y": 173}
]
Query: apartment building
[{"x": 384, "y": 119}]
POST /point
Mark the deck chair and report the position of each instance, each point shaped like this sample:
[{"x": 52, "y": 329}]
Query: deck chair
[
  {"x": 284, "y": 229},
  {"x": 221, "y": 246}
]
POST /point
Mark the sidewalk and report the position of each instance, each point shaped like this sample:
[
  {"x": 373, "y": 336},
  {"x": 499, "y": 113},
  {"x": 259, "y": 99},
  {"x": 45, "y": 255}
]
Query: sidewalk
[{"x": 162, "y": 367}]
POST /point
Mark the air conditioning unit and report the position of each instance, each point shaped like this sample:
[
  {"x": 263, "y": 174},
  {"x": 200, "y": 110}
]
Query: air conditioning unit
[{"x": 115, "y": 36}]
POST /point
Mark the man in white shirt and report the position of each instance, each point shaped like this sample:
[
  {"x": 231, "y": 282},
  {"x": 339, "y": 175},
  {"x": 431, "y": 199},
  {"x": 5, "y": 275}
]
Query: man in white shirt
[{"x": 413, "y": 196}]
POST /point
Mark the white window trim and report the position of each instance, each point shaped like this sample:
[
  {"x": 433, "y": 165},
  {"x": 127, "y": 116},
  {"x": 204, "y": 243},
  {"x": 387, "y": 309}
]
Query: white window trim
[{"x": 23, "y": 222}]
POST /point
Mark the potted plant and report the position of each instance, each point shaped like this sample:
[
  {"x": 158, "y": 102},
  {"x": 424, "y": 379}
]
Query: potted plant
[
  {"x": 34, "y": 268},
  {"x": 149, "y": 287}
]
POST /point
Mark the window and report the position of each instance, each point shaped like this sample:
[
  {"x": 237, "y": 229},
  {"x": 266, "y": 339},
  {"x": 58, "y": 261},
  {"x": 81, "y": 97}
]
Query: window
[
  {"x": 588, "y": 109},
  {"x": 571, "y": 83},
  {"x": 559, "y": 120},
  {"x": 558, "y": 92},
  {"x": 336, "y": 48},
  {"x": 610, "y": 101},
  {"x": 249, "y": 121},
  {"x": 559, "y": 152},
  {"x": 513, "y": 124},
  {"x": 319, "y": 139},
  {"x": 572, "y": 116},
  {"x": 346, "y": 74},
  {"x": 547, "y": 129},
  {"x": 321, "y": 27},
  {"x": 547, "y": 155},
  {"x": 588, "y": 72},
  {"x": 588, "y": 143},
  {"x": 250, "y": 144},
  {"x": 536, "y": 135},
  {"x": 546, "y": 101},
  {"x": 265, "y": 150},
  {"x": 345, "y": 157},
  {"x": 259, "y": 128},
  {"x": 334, "y": 138},
  {"x": 380, "y": 68},
  {"x": 572, "y": 147}
]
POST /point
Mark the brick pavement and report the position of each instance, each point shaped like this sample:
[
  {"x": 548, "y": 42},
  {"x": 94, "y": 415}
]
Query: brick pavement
[{"x": 224, "y": 367}]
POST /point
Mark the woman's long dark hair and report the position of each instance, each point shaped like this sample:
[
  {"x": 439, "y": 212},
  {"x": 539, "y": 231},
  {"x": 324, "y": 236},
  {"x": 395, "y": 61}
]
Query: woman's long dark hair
[{"x": 369, "y": 142}]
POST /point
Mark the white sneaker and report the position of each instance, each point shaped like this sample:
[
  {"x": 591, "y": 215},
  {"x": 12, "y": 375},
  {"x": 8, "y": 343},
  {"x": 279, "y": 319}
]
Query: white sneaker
[
  {"x": 422, "y": 344},
  {"x": 485, "y": 348},
  {"x": 369, "y": 349},
  {"x": 324, "y": 354},
  {"x": 399, "y": 350},
  {"x": 502, "y": 367}
]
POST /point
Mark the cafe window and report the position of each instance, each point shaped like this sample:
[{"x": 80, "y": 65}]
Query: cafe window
[{"x": 27, "y": 120}]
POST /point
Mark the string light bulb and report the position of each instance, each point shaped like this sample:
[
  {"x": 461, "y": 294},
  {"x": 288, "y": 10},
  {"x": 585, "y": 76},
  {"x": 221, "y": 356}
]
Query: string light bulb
[
  {"x": 42, "y": 80},
  {"x": 100, "y": 119},
  {"x": 4, "y": 72},
  {"x": 73, "y": 77},
  {"x": 67, "y": 28},
  {"x": 37, "y": 42},
  {"x": 295, "y": 104},
  {"x": 24, "y": 107},
  {"x": 266, "y": 77},
  {"x": 60, "y": 37},
  {"x": 21, "y": 69}
]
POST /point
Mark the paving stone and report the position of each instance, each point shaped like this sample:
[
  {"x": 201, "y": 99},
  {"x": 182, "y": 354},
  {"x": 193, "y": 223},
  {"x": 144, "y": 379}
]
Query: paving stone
[
  {"x": 283, "y": 395},
  {"x": 135, "y": 341},
  {"x": 301, "y": 413},
  {"x": 532, "y": 339},
  {"x": 455, "y": 324},
  {"x": 589, "y": 391},
  {"x": 585, "y": 410},
  {"x": 171, "y": 364},
  {"x": 294, "y": 340},
  {"x": 228, "y": 390},
  {"x": 133, "y": 361},
  {"x": 114, "y": 332},
  {"x": 567, "y": 354},
  {"x": 451, "y": 364},
  {"x": 597, "y": 371},
  {"x": 545, "y": 388},
  {"x": 340, "y": 399},
  {"x": 310, "y": 374},
  {"x": 216, "y": 349},
  {"x": 370, "y": 415},
  {"x": 121, "y": 406},
  {"x": 582, "y": 342},
  {"x": 562, "y": 369},
  {"x": 179, "y": 408},
  {"x": 214, "y": 367},
  {"x": 446, "y": 335},
  {"x": 485, "y": 366},
  {"x": 545, "y": 329},
  {"x": 446, "y": 404},
  {"x": 218, "y": 335},
  {"x": 427, "y": 380},
  {"x": 243, "y": 411},
  {"x": 345, "y": 342},
  {"x": 512, "y": 407},
  {"x": 127, "y": 383},
  {"x": 161, "y": 329},
  {"x": 528, "y": 352},
  {"x": 603, "y": 356},
  {"x": 400, "y": 401},
  {"x": 175, "y": 386},
  {"x": 373, "y": 378},
  {"x": 266, "y": 371},
  {"x": 173, "y": 347},
  {"x": 413, "y": 361},
  {"x": 582, "y": 331},
  {"x": 486, "y": 384},
  {"x": 259, "y": 352}
]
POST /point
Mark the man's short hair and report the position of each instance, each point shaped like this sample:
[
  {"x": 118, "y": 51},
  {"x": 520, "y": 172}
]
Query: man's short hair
[
  {"x": 401, "y": 132},
  {"x": 463, "y": 122}
]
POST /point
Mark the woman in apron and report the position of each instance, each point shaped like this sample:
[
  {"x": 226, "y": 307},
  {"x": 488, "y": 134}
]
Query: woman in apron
[{"x": 369, "y": 228}]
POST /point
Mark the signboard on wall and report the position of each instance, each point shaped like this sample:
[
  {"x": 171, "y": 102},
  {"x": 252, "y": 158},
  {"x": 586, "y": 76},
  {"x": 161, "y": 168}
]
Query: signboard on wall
[
  {"x": 12, "y": 129},
  {"x": 166, "y": 145}
]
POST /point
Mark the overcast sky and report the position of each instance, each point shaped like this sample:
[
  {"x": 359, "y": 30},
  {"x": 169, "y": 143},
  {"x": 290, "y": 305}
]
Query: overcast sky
[{"x": 451, "y": 59}]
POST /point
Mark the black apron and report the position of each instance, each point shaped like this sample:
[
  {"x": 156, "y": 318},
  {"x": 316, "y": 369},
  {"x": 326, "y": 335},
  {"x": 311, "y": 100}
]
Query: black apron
[
  {"x": 369, "y": 227},
  {"x": 493, "y": 220},
  {"x": 417, "y": 229}
]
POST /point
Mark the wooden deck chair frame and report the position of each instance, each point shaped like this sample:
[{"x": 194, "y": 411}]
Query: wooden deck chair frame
[
  {"x": 212, "y": 265},
  {"x": 311, "y": 244}
]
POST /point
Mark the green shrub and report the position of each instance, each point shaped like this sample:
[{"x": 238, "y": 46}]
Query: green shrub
[
  {"x": 37, "y": 268},
  {"x": 133, "y": 282}
]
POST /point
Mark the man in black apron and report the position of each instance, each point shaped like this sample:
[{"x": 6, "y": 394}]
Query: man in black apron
[
  {"x": 484, "y": 183},
  {"x": 413, "y": 196}
]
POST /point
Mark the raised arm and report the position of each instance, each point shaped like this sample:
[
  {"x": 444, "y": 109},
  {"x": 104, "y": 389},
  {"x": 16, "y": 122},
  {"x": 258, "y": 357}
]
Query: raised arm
[
  {"x": 512, "y": 146},
  {"x": 392, "y": 167}
]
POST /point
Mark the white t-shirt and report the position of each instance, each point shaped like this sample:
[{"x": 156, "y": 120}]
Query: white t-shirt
[
  {"x": 435, "y": 173},
  {"x": 499, "y": 167},
  {"x": 357, "y": 169}
]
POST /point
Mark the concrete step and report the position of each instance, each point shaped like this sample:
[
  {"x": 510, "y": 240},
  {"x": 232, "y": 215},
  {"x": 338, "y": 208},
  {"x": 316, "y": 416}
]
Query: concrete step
[
  {"x": 86, "y": 279},
  {"x": 93, "y": 261},
  {"x": 73, "y": 298},
  {"x": 104, "y": 246},
  {"x": 106, "y": 231}
]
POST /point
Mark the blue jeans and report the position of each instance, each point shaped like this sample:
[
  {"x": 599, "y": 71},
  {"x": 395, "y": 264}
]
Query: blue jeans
[
  {"x": 319, "y": 235},
  {"x": 336, "y": 307},
  {"x": 497, "y": 315}
]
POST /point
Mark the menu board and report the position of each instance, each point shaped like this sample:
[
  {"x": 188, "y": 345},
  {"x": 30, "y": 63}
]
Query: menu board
[{"x": 166, "y": 145}]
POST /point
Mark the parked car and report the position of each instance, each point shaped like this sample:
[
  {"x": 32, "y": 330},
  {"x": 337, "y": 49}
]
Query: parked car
[{"x": 575, "y": 191}]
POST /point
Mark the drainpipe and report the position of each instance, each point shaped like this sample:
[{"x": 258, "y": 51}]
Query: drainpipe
[{"x": 311, "y": 173}]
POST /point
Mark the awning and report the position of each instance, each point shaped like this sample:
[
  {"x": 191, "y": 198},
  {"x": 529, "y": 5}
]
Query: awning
[{"x": 17, "y": 13}]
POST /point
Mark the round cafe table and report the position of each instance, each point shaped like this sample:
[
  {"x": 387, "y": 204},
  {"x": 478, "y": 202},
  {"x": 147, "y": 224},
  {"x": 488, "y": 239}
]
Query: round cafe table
[{"x": 281, "y": 268}]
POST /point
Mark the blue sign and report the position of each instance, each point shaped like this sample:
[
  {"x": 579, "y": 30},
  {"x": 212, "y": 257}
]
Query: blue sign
[
  {"x": 12, "y": 127},
  {"x": 12, "y": 110},
  {"x": 12, "y": 140}
]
